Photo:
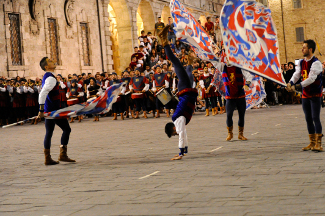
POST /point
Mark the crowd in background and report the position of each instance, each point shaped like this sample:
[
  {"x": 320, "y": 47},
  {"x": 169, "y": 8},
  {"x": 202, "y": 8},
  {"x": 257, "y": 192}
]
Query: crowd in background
[{"x": 19, "y": 96}]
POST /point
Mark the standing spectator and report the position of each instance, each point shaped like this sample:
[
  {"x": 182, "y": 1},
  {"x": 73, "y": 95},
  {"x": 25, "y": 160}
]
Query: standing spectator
[
  {"x": 171, "y": 34},
  {"x": 209, "y": 26},
  {"x": 158, "y": 26}
]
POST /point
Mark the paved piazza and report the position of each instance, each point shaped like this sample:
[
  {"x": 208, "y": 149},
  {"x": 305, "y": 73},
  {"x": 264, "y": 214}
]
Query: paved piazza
[{"x": 124, "y": 168}]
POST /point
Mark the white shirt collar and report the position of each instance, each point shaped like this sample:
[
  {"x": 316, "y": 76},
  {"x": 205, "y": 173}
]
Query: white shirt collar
[{"x": 307, "y": 60}]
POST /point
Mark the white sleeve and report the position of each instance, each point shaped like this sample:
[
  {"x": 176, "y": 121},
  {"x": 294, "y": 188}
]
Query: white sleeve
[
  {"x": 202, "y": 84},
  {"x": 315, "y": 70},
  {"x": 150, "y": 40},
  {"x": 130, "y": 87},
  {"x": 153, "y": 86},
  {"x": 49, "y": 84},
  {"x": 88, "y": 95},
  {"x": 100, "y": 92},
  {"x": 19, "y": 90},
  {"x": 67, "y": 94},
  {"x": 123, "y": 90},
  {"x": 79, "y": 85},
  {"x": 3, "y": 89},
  {"x": 30, "y": 89},
  {"x": 174, "y": 84},
  {"x": 62, "y": 85},
  {"x": 10, "y": 89},
  {"x": 181, "y": 131},
  {"x": 25, "y": 89},
  {"x": 295, "y": 77},
  {"x": 106, "y": 83},
  {"x": 81, "y": 94},
  {"x": 146, "y": 87},
  {"x": 166, "y": 84}
]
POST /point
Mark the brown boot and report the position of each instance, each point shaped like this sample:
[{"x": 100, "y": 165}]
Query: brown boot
[
  {"x": 163, "y": 36},
  {"x": 312, "y": 138},
  {"x": 223, "y": 110},
  {"x": 145, "y": 114},
  {"x": 157, "y": 113},
  {"x": 207, "y": 112},
  {"x": 168, "y": 113},
  {"x": 318, "y": 147},
  {"x": 72, "y": 120},
  {"x": 241, "y": 133},
  {"x": 122, "y": 117},
  {"x": 79, "y": 117},
  {"x": 115, "y": 116},
  {"x": 48, "y": 159},
  {"x": 230, "y": 133},
  {"x": 63, "y": 154},
  {"x": 136, "y": 115}
]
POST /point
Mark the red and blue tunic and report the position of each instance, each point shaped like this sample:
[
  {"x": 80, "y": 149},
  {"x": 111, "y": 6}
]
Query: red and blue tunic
[
  {"x": 234, "y": 82},
  {"x": 315, "y": 89},
  {"x": 207, "y": 81},
  {"x": 52, "y": 101},
  {"x": 159, "y": 79},
  {"x": 138, "y": 83}
]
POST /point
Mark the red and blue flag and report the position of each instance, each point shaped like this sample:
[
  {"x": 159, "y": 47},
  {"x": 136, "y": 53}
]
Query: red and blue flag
[
  {"x": 99, "y": 105},
  {"x": 250, "y": 38}
]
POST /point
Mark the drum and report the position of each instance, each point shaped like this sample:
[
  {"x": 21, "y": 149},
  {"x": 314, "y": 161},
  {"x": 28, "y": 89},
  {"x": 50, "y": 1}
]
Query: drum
[
  {"x": 137, "y": 95},
  {"x": 164, "y": 96},
  {"x": 73, "y": 101},
  {"x": 175, "y": 97}
]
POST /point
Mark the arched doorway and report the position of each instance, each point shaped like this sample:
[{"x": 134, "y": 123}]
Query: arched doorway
[
  {"x": 121, "y": 34},
  {"x": 139, "y": 24},
  {"x": 146, "y": 16},
  {"x": 165, "y": 14}
]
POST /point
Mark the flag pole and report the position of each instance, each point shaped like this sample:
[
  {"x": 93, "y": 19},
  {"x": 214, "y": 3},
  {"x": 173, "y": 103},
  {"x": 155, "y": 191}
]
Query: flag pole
[{"x": 10, "y": 125}]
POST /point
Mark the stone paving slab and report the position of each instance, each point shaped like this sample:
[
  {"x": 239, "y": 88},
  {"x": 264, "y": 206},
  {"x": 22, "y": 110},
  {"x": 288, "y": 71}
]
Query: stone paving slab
[{"x": 266, "y": 175}]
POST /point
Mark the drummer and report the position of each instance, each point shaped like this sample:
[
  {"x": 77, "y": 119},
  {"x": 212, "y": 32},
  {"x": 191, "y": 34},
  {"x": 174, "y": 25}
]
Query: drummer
[
  {"x": 117, "y": 107},
  {"x": 138, "y": 86},
  {"x": 75, "y": 96},
  {"x": 187, "y": 98},
  {"x": 159, "y": 81}
]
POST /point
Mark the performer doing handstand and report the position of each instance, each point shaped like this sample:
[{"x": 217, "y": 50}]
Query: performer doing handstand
[{"x": 187, "y": 98}]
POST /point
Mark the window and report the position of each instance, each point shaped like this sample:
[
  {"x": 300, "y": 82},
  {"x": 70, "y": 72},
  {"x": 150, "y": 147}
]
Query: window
[
  {"x": 300, "y": 37},
  {"x": 85, "y": 43},
  {"x": 15, "y": 40},
  {"x": 53, "y": 34},
  {"x": 296, "y": 3}
]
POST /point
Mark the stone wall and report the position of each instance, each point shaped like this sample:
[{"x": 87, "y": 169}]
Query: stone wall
[
  {"x": 35, "y": 36},
  {"x": 310, "y": 16},
  {"x": 111, "y": 53}
]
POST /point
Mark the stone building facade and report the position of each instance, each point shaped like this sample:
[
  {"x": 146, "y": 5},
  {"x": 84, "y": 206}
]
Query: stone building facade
[
  {"x": 298, "y": 20},
  {"x": 84, "y": 36}
]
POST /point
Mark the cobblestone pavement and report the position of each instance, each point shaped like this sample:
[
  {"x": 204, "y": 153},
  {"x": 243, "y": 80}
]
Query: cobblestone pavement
[{"x": 266, "y": 175}]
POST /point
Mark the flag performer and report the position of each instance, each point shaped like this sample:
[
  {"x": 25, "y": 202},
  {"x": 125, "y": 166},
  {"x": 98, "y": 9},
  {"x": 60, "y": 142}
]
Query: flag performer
[
  {"x": 187, "y": 98},
  {"x": 49, "y": 100},
  {"x": 310, "y": 70}
]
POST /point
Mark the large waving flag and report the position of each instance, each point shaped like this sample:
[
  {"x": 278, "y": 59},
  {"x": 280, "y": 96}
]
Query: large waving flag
[
  {"x": 250, "y": 38},
  {"x": 256, "y": 93},
  {"x": 189, "y": 31},
  {"x": 99, "y": 105}
]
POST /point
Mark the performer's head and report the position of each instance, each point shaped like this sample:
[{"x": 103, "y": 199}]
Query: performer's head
[
  {"x": 170, "y": 129},
  {"x": 206, "y": 69},
  {"x": 73, "y": 83},
  {"x": 47, "y": 64},
  {"x": 137, "y": 72},
  {"x": 308, "y": 48},
  {"x": 158, "y": 69},
  {"x": 92, "y": 81}
]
